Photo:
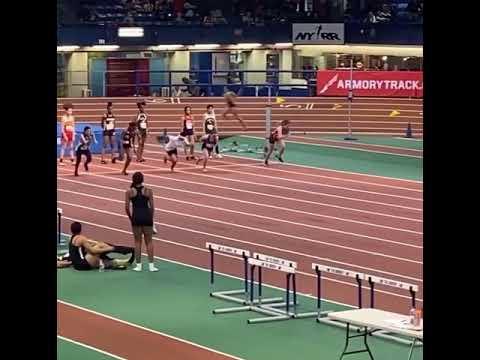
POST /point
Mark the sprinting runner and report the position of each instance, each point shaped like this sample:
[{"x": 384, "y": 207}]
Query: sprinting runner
[
  {"x": 232, "y": 108},
  {"x": 172, "y": 142},
  {"x": 276, "y": 138},
  {"x": 128, "y": 143},
  {"x": 210, "y": 127},
  {"x": 83, "y": 148},
  {"x": 68, "y": 132},
  {"x": 142, "y": 130},
  {"x": 108, "y": 126},
  {"x": 188, "y": 132},
  {"x": 208, "y": 143}
]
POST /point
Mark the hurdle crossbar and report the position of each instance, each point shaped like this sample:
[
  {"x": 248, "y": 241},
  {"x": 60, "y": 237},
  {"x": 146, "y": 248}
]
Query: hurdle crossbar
[{"x": 232, "y": 295}]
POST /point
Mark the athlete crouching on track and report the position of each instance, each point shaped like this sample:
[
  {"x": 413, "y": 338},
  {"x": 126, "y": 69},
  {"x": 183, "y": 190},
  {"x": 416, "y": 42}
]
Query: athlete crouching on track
[
  {"x": 208, "y": 143},
  {"x": 276, "y": 138},
  {"x": 171, "y": 153},
  {"x": 83, "y": 148},
  {"x": 128, "y": 144},
  {"x": 87, "y": 254},
  {"x": 141, "y": 218}
]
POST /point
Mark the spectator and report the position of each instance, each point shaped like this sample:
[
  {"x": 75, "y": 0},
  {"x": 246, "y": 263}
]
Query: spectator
[
  {"x": 189, "y": 15},
  {"x": 188, "y": 6},
  {"x": 384, "y": 15},
  {"x": 247, "y": 18},
  {"x": 218, "y": 17},
  {"x": 208, "y": 19},
  {"x": 179, "y": 18}
]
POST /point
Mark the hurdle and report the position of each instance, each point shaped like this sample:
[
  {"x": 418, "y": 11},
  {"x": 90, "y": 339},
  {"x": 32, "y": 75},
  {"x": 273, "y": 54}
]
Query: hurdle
[
  {"x": 320, "y": 314},
  {"x": 229, "y": 295},
  {"x": 412, "y": 289},
  {"x": 261, "y": 261}
]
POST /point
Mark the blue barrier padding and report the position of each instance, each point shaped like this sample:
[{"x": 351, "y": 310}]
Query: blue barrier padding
[{"x": 96, "y": 130}]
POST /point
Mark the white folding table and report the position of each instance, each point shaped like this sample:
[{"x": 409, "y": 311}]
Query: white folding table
[{"x": 372, "y": 320}]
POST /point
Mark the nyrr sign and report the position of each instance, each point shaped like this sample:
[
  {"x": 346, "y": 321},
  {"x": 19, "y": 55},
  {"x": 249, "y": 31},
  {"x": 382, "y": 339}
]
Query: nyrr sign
[{"x": 325, "y": 34}]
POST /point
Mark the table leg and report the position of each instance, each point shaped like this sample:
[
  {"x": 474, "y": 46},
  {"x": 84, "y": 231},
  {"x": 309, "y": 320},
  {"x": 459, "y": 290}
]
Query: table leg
[
  {"x": 347, "y": 341},
  {"x": 366, "y": 343}
]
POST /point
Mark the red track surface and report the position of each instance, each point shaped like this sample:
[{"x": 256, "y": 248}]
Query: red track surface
[
  {"x": 323, "y": 115},
  {"x": 360, "y": 222}
]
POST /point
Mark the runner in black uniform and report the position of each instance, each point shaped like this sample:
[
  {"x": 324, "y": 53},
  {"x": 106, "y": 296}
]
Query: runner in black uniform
[
  {"x": 108, "y": 126},
  {"x": 188, "y": 132},
  {"x": 141, "y": 217},
  {"x": 128, "y": 143},
  {"x": 210, "y": 126},
  {"x": 87, "y": 254},
  {"x": 83, "y": 148},
  {"x": 142, "y": 130},
  {"x": 208, "y": 143}
]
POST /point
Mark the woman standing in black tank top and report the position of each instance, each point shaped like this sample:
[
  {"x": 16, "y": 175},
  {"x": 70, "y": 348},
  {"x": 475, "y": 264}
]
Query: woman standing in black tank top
[{"x": 141, "y": 216}]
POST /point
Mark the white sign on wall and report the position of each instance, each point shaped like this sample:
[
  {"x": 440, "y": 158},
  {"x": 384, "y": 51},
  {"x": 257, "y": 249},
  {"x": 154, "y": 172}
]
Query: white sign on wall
[{"x": 324, "y": 34}]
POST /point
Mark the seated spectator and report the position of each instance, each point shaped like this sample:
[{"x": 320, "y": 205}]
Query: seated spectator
[
  {"x": 188, "y": 6},
  {"x": 208, "y": 19},
  {"x": 218, "y": 17},
  {"x": 189, "y": 15},
  {"x": 179, "y": 18},
  {"x": 247, "y": 18},
  {"x": 384, "y": 15}
]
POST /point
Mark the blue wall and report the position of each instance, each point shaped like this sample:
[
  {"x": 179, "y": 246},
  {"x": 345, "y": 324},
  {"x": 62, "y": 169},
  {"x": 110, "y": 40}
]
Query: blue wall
[
  {"x": 97, "y": 73},
  {"x": 84, "y": 35}
]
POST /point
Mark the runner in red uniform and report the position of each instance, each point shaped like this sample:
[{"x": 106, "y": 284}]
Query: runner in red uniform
[{"x": 68, "y": 132}]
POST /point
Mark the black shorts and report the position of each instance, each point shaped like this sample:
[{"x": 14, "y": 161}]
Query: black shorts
[
  {"x": 142, "y": 133},
  {"x": 272, "y": 139},
  {"x": 208, "y": 149},
  {"x": 109, "y": 133},
  {"x": 81, "y": 152},
  {"x": 171, "y": 152},
  {"x": 187, "y": 132},
  {"x": 83, "y": 265}
]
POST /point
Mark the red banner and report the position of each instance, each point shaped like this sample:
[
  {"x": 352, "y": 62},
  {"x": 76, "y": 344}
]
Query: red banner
[{"x": 370, "y": 83}]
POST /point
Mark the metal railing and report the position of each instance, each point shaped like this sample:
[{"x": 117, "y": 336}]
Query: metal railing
[{"x": 185, "y": 82}]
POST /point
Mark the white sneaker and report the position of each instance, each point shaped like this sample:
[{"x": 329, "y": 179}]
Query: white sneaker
[
  {"x": 152, "y": 268},
  {"x": 154, "y": 229},
  {"x": 219, "y": 156},
  {"x": 138, "y": 267}
]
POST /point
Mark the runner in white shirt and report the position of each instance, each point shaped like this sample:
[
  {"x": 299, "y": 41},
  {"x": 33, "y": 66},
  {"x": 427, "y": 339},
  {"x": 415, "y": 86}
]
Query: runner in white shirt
[
  {"x": 171, "y": 149},
  {"x": 210, "y": 127}
]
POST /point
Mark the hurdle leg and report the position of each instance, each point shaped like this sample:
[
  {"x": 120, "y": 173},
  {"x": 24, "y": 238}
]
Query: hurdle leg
[
  {"x": 212, "y": 272},
  {"x": 59, "y": 214}
]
